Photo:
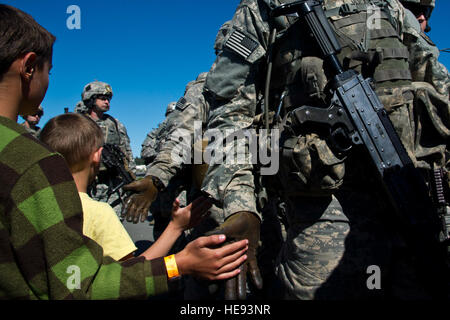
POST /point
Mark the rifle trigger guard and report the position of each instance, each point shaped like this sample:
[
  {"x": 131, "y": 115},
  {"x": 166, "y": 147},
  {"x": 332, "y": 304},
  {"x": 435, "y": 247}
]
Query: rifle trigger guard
[{"x": 340, "y": 140}]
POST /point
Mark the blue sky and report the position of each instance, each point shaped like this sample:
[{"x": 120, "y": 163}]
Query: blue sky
[{"x": 147, "y": 50}]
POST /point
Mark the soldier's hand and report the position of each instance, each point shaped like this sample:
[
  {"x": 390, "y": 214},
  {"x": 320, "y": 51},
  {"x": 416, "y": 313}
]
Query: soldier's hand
[
  {"x": 242, "y": 225},
  {"x": 137, "y": 205}
]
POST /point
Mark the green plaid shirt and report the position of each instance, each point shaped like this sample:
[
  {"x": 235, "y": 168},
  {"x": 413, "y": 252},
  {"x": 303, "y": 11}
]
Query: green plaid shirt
[{"x": 43, "y": 254}]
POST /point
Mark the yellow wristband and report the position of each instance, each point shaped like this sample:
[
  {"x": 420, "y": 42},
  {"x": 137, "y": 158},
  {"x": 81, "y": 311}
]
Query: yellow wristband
[{"x": 171, "y": 266}]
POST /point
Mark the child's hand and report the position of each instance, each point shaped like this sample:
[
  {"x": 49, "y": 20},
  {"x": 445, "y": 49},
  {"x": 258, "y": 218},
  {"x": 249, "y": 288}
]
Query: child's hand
[{"x": 190, "y": 216}]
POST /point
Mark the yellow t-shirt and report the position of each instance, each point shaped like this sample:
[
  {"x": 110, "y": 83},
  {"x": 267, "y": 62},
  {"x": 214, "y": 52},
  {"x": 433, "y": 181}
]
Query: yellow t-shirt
[{"x": 101, "y": 224}]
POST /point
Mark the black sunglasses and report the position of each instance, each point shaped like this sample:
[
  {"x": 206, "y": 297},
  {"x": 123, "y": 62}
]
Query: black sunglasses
[
  {"x": 418, "y": 10},
  {"x": 103, "y": 97}
]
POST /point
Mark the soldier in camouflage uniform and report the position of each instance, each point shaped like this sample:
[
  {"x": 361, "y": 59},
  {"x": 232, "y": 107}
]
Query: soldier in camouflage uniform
[
  {"x": 163, "y": 172},
  {"x": 150, "y": 146},
  {"x": 422, "y": 10},
  {"x": 172, "y": 177},
  {"x": 161, "y": 207},
  {"x": 32, "y": 121},
  {"x": 424, "y": 64},
  {"x": 337, "y": 228},
  {"x": 167, "y": 179},
  {"x": 181, "y": 134},
  {"x": 430, "y": 99},
  {"x": 96, "y": 99},
  {"x": 80, "y": 107}
]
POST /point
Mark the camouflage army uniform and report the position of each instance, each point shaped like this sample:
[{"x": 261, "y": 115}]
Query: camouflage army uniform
[
  {"x": 188, "y": 109},
  {"x": 336, "y": 229},
  {"x": 150, "y": 146},
  {"x": 177, "y": 175},
  {"x": 161, "y": 208},
  {"x": 424, "y": 64},
  {"x": 34, "y": 131},
  {"x": 431, "y": 100},
  {"x": 114, "y": 133},
  {"x": 80, "y": 107}
]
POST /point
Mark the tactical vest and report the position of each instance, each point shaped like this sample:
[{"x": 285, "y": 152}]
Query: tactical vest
[
  {"x": 110, "y": 129},
  {"x": 300, "y": 77}
]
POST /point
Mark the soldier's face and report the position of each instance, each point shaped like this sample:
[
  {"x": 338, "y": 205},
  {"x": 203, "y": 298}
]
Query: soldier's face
[
  {"x": 34, "y": 119},
  {"x": 102, "y": 103},
  {"x": 422, "y": 21}
]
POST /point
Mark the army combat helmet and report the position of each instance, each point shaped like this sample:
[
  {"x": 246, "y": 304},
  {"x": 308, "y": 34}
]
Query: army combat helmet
[
  {"x": 39, "y": 112},
  {"x": 93, "y": 89},
  {"x": 170, "y": 108},
  {"x": 420, "y": 6}
]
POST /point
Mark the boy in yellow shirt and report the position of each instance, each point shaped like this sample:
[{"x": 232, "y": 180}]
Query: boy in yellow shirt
[{"x": 80, "y": 141}]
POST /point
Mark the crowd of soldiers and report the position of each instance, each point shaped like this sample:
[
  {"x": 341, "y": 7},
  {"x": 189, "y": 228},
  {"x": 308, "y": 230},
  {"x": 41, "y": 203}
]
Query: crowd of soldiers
[{"x": 319, "y": 223}]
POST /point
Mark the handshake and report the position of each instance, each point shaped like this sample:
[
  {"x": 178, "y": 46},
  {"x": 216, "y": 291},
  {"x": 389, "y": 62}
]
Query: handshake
[{"x": 201, "y": 257}]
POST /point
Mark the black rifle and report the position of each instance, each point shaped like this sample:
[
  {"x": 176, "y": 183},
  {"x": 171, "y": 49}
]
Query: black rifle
[
  {"x": 357, "y": 119},
  {"x": 113, "y": 159}
]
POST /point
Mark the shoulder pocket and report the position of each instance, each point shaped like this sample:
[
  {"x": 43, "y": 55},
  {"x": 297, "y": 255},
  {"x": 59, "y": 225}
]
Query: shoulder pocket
[
  {"x": 244, "y": 45},
  {"x": 234, "y": 64}
]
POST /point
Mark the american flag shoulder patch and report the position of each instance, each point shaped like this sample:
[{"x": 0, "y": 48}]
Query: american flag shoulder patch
[
  {"x": 241, "y": 44},
  {"x": 181, "y": 104}
]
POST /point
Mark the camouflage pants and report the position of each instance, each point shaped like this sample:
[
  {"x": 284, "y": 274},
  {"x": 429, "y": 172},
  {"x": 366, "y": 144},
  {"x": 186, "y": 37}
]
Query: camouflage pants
[
  {"x": 272, "y": 236},
  {"x": 332, "y": 242}
]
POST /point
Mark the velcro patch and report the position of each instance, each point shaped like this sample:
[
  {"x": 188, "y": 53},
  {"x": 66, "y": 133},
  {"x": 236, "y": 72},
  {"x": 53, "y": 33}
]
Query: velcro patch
[
  {"x": 427, "y": 39},
  {"x": 241, "y": 44},
  {"x": 181, "y": 104}
]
